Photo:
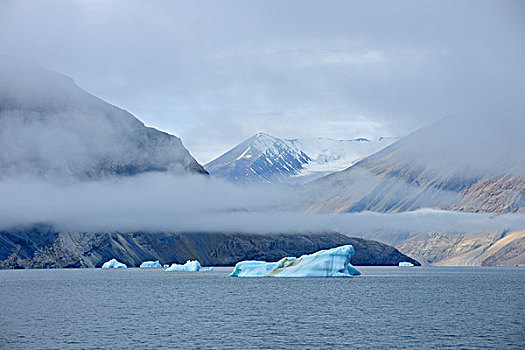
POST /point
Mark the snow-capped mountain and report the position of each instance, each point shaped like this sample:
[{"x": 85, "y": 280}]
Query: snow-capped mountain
[
  {"x": 268, "y": 159},
  {"x": 51, "y": 128},
  {"x": 261, "y": 158}
]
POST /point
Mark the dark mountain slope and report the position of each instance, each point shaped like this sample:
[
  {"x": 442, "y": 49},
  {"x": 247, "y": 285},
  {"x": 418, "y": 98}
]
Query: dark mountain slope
[{"x": 42, "y": 247}]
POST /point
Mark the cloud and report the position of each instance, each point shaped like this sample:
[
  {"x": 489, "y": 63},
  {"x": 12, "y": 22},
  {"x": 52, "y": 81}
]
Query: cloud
[
  {"x": 165, "y": 203},
  {"x": 216, "y": 74}
]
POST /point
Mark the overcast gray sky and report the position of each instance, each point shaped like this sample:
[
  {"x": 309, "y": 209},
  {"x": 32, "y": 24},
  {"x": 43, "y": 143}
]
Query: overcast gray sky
[{"x": 214, "y": 73}]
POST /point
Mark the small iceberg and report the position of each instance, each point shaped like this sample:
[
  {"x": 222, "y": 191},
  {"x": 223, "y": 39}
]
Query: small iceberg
[
  {"x": 150, "y": 265},
  {"x": 206, "y": 269},
  {"x": 333, "y": 262},
  {"x": 113, "y": 264},
  {"x": 406, "y": 264},
  {"x": 189, "y": 266}
]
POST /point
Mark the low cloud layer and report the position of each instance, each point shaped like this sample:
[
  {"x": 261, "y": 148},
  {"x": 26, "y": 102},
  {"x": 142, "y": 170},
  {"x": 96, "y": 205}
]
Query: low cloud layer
[{"x": 165, "y": 203}]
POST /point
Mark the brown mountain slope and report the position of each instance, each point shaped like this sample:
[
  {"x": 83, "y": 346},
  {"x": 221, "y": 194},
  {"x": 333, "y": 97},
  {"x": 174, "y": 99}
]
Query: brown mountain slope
[{"x": 489, "y": 249}]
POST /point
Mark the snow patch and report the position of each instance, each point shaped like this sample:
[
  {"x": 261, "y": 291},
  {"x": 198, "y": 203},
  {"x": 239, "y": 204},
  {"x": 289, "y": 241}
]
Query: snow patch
[{"x": 244, "y": 154}]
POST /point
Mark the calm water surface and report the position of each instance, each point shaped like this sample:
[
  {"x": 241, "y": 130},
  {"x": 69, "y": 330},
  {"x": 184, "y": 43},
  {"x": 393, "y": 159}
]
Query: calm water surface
[{"x": 430, "y": 307}]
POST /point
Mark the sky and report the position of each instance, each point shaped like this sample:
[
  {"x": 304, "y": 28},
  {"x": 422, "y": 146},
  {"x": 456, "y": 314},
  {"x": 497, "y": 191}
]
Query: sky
[{"x": 215, "y": 73}]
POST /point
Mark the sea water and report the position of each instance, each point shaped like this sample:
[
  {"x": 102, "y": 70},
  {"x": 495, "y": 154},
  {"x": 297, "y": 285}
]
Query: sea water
[{"x": 385, "y": 307}]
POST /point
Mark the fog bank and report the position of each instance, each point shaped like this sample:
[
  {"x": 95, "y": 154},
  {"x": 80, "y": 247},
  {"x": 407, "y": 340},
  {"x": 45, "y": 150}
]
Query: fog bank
[{"x": 158, "y": 202}]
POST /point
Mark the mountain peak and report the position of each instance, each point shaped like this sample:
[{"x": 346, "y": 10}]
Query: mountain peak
[
  {"x": 262, "y": 135},
  {"x": 265, "y": 142}
]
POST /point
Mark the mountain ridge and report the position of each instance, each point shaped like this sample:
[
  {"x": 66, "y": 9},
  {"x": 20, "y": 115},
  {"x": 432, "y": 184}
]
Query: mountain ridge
[
  {"x": 41, "y": 246},
  {"x": 53, "y": 129}
]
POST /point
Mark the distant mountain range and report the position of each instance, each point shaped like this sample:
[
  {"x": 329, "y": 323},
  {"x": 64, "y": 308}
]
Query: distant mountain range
[
  {"x": 51, "y": 128},
  {"x": 266, "y": 159}
]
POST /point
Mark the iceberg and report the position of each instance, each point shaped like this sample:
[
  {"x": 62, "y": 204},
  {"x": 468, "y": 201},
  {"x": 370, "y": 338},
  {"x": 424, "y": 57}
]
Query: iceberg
[
  {"x": 113, "y": 264},
  {"x": 190, "y": 265},
  {"x": 206, "y": 269},
  {"x": 333, "y": 262},
  {"x": 405, "y": 264},
  {"x": 150, "y": 265}
]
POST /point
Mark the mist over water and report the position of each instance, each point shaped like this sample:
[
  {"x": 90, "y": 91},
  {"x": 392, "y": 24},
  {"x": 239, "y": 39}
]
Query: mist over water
[{"x": 160, "y": 202}]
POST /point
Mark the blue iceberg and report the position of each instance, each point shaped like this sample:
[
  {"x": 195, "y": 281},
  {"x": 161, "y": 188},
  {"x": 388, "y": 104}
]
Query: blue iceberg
[
  {"x": 150, "y": 265},
  {"x": 189, "y": 266},
  {"x": 333, "y": 262},
  {"x": 113, "y": 264}
]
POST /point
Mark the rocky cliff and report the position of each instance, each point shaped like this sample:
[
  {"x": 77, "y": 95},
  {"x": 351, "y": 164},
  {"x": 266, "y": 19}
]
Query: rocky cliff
[{"x": 43, "y": 247}]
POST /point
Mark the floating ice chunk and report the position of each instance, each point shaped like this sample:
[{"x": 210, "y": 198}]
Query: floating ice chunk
[
  {"x": 113, "y": 264},
  {"x": 406, "y": 264},
  {"x": 206, "y": 269},
  {"x": 150, "y": 265},
  {"x": 333, "y": 262},
  {"x": 165, "y": 266},
  {"x": 190, "y": 265}
]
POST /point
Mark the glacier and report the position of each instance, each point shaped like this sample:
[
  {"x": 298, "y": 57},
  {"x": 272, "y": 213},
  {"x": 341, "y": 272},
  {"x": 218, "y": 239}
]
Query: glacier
[
  {"x": 113, "y": 264},
  {"x": 333, "y": 262},
  {"x": 189, "y": 266},
  {"x": 150, "y": 265}
]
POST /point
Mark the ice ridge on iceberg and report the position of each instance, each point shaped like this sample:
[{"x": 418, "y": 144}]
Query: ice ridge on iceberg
[
  {"x": 333, "y": 262},
  {"x": 190, "y": 265},
  {"x": 150, "y": 265},
  {"x": 113, "y": 264}
]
